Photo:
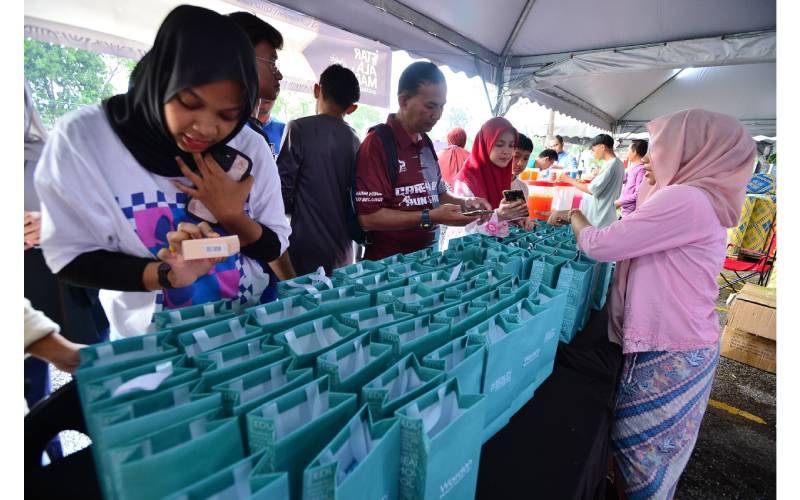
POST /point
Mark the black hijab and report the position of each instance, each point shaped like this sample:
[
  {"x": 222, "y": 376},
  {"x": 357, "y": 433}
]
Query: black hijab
[{"x": 193, "y": 46}]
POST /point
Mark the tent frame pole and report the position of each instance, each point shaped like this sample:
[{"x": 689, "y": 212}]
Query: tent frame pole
[
  {"x": 434, "y": 28},
  {"x": 648, "y": 96},
  {"x": 523, "y": 16},
  {"x": 483, "y": 80},
  {"x": 503, "y": 70}
]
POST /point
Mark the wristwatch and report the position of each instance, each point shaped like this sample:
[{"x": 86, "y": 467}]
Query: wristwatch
[
  {"x": 163, "y": 279},
  {"x": 426, "y": 219}
]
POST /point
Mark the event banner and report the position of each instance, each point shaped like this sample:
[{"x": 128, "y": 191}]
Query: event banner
[
  {"x": 127, "y": 29},
  {"x": 311, "y": 46}
]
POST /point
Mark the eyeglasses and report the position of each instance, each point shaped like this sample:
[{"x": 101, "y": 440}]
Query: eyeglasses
[{"x": 272, "y": 62}]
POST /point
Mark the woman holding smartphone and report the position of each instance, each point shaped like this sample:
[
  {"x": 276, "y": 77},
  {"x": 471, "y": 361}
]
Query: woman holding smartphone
[
  {"x": 486, "y": 174},
  {"x": 116, "y": 179}
]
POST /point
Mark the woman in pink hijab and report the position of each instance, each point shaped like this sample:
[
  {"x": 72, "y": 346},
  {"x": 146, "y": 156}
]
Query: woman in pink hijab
[{"x": 661, "y": 306}]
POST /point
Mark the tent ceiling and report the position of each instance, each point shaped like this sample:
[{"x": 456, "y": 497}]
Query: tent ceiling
[
  {"x": 403, "y": 29},
  {"x": 540, "y": 36},
  {"x": 538, "y": 48},
  {"x": 615, "y": 94},
  {"x": 550, "y": 27},
  {"x": 625, "y": 97},
  {"x": 616, "y": 23},
  {"x": 613, "y": 88},
  {"x": 717, "y": 89},
  {"x": 488, "y": 23}
]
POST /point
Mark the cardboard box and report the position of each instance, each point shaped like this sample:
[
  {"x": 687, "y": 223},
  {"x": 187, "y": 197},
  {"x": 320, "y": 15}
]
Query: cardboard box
[{"x": 750, "y": 335}]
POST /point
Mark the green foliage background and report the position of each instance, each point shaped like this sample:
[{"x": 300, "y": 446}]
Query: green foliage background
[
  {"x": 292, "y": 105},
  {"x": 64, "y": 79}
]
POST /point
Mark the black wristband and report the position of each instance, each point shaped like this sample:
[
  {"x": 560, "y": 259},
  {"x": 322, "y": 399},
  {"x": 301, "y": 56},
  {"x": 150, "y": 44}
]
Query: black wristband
[
  {"x": 163, "y": 276},
  {"x": 266, "y": 249}
]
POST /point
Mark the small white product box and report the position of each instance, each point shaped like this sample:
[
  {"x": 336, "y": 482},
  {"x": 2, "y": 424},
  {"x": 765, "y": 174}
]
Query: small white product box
[{"x": 210, "y": 248}]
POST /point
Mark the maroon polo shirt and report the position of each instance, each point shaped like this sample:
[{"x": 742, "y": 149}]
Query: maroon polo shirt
[{"x": 419, "y": 184}]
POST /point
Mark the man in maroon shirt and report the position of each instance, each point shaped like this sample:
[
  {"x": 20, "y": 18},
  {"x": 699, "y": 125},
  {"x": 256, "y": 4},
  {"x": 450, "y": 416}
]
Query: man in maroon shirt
[{"x": 402, "y": 218}]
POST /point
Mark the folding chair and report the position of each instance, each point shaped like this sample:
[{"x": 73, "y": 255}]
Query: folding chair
[{"x": 746, "y": 269}]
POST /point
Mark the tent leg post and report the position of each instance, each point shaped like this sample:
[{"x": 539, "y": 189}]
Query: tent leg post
[{"x": 485, "y": 87}]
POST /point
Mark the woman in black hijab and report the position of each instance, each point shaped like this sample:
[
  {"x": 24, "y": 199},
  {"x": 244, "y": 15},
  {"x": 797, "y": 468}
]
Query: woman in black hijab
[
  {"x": 183, "y": 116},
  {"x": 194, "y": 46}
]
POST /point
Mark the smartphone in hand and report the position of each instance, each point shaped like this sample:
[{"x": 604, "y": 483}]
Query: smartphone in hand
[
  {"x": 236, "y": 164},
  {"x": 512, "y": 195},
  {"x": 474, "y": 212}
]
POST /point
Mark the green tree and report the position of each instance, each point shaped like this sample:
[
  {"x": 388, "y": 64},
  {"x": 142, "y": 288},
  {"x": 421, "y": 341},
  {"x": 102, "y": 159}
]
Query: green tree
[
  {"x": 64, "y": 79},
  {"x": 364, "y": 117},
  {"x": 292, "y": 105},
  {"x": 456, "y": 117},
  {"x": 538, "y": 144}
]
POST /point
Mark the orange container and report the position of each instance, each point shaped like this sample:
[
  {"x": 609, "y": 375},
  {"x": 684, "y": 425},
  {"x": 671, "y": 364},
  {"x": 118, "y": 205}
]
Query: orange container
[
  {"x": 528, "y": 175},
  {"x": 540, "y": 198}
]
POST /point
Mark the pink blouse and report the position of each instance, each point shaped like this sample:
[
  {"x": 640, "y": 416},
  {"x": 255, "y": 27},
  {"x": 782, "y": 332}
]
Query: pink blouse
[
  {"x": 633, "y": 177},
  {"x": 676, "y": 245}
]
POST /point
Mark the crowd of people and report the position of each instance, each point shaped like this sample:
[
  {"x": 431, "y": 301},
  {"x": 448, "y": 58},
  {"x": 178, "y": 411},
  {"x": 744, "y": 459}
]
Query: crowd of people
[{"x": 122, "y": 184}]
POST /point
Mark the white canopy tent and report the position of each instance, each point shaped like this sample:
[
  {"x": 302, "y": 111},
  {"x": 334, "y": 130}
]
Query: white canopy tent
[
  {"x": 625, "y": 89},
  {"x": 614, "y": 65}
]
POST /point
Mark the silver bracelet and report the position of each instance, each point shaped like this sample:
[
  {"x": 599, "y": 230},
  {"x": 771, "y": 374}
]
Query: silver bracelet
[{"x": 571, "y": 213}]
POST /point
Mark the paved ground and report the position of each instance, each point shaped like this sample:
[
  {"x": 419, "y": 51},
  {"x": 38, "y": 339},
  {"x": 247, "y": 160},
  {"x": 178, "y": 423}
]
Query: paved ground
[{"x": 734, "y": 456}]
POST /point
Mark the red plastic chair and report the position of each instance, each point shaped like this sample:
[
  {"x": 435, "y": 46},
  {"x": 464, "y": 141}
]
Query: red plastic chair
[{"x": 746, "y": 269}]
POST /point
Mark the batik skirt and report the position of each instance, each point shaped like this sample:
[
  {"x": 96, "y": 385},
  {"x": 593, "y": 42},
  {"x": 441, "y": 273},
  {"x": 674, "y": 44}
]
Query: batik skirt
[{"x": 661, "y": 399}]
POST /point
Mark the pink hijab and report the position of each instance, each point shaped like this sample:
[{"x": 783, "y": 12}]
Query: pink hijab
[
  {"x": 699, "y": 148},
  {"x": 707, "y": 150}
]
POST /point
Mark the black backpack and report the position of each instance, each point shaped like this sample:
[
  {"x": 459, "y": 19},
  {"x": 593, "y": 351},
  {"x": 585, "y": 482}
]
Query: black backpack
[{"x": 386, "y": 136}]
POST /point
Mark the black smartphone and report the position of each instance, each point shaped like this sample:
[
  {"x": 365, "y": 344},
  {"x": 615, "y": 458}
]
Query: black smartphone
[
  {"x": 236, "y": 164},
  {"x": 511, "y": 195}
]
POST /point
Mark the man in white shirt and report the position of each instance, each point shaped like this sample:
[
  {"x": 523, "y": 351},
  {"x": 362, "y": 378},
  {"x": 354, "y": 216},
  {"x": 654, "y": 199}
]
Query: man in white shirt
[{"x": 606, "y": 185}]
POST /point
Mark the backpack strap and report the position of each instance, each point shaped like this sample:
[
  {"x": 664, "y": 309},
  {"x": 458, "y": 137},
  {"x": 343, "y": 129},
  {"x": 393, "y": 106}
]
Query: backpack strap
[
  {"x": 386, "y": 136},
  {"x": 429, "y": 143},
  {"x": 255, "y": 125}
]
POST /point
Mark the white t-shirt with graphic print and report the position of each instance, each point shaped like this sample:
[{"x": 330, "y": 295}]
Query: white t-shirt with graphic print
[{"x": 96, "y": 196}]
